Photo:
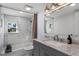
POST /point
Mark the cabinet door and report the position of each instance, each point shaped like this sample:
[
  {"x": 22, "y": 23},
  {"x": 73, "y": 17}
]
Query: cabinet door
[
  {"x": 43, "y": 50},
  {"x": 36, "y": 48},
  {"x": 48, "y": 51}
]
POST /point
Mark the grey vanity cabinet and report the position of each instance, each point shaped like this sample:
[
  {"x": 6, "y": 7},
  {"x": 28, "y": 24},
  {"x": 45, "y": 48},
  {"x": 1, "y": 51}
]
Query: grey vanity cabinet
[
  {"x": 43, "y": 50},
  {"x": 36, "y": 48}
]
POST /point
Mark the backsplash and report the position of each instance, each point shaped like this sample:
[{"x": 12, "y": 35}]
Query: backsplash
[{"x": 63, "y": 38}]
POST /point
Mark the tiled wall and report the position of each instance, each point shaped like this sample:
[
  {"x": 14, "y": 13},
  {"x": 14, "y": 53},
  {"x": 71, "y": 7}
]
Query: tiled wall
[{"x": 23, "y": 37}]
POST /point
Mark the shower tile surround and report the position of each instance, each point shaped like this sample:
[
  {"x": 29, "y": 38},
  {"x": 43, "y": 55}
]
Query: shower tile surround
[{"x": 21, "y": 39}]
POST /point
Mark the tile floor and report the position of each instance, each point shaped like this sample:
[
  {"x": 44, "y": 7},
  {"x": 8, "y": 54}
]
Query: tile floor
[{"x": 21, "y": 52}]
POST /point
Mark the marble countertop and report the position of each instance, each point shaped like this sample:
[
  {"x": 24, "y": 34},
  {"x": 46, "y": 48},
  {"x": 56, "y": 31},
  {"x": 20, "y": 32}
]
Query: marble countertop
[{"x": 70, "y": 49}]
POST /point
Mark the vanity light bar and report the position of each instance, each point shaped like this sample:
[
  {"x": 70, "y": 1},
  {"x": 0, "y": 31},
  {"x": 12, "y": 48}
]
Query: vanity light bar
[
  {"x": 73, "y": 4},
  {"x": 57, "y": 8},
  {"x": 27, "y": 7}
]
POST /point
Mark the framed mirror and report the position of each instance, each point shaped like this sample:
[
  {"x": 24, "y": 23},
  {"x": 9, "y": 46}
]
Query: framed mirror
[{"x": 49, "y": 24}]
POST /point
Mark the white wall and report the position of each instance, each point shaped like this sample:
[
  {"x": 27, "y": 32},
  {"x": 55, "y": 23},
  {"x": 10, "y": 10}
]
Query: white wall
[
  {"x": 64, "y": 24},
  {"x": 67, "y": 24},
  {"x": 40, "y": 25},
  {"x": 1, "y": 32}
]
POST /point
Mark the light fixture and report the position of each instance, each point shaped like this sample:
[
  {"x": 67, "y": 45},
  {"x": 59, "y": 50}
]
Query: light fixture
[
  {"x": 48, "y": 14},
  {"x": 28, "y": 8},
  {"x": 47, "y": 10},
  {"x": 21, "y": 12},
  {"x": 53, "y": 7},
  {"x": 73, "y": 4}
]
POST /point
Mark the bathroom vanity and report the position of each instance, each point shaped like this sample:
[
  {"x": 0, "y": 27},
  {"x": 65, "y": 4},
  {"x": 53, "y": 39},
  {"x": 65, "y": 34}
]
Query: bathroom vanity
[{"x": 54, "y": 48}]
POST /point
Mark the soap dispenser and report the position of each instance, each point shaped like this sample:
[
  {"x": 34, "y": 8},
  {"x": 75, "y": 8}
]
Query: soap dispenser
[{"x": 69, "y": 39}]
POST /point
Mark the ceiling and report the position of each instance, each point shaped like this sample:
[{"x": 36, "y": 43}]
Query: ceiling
[
  {"x": 65, "y": 10},
  {"x": 36, "y": 7},
  {"x": 20, "y": 6}
]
